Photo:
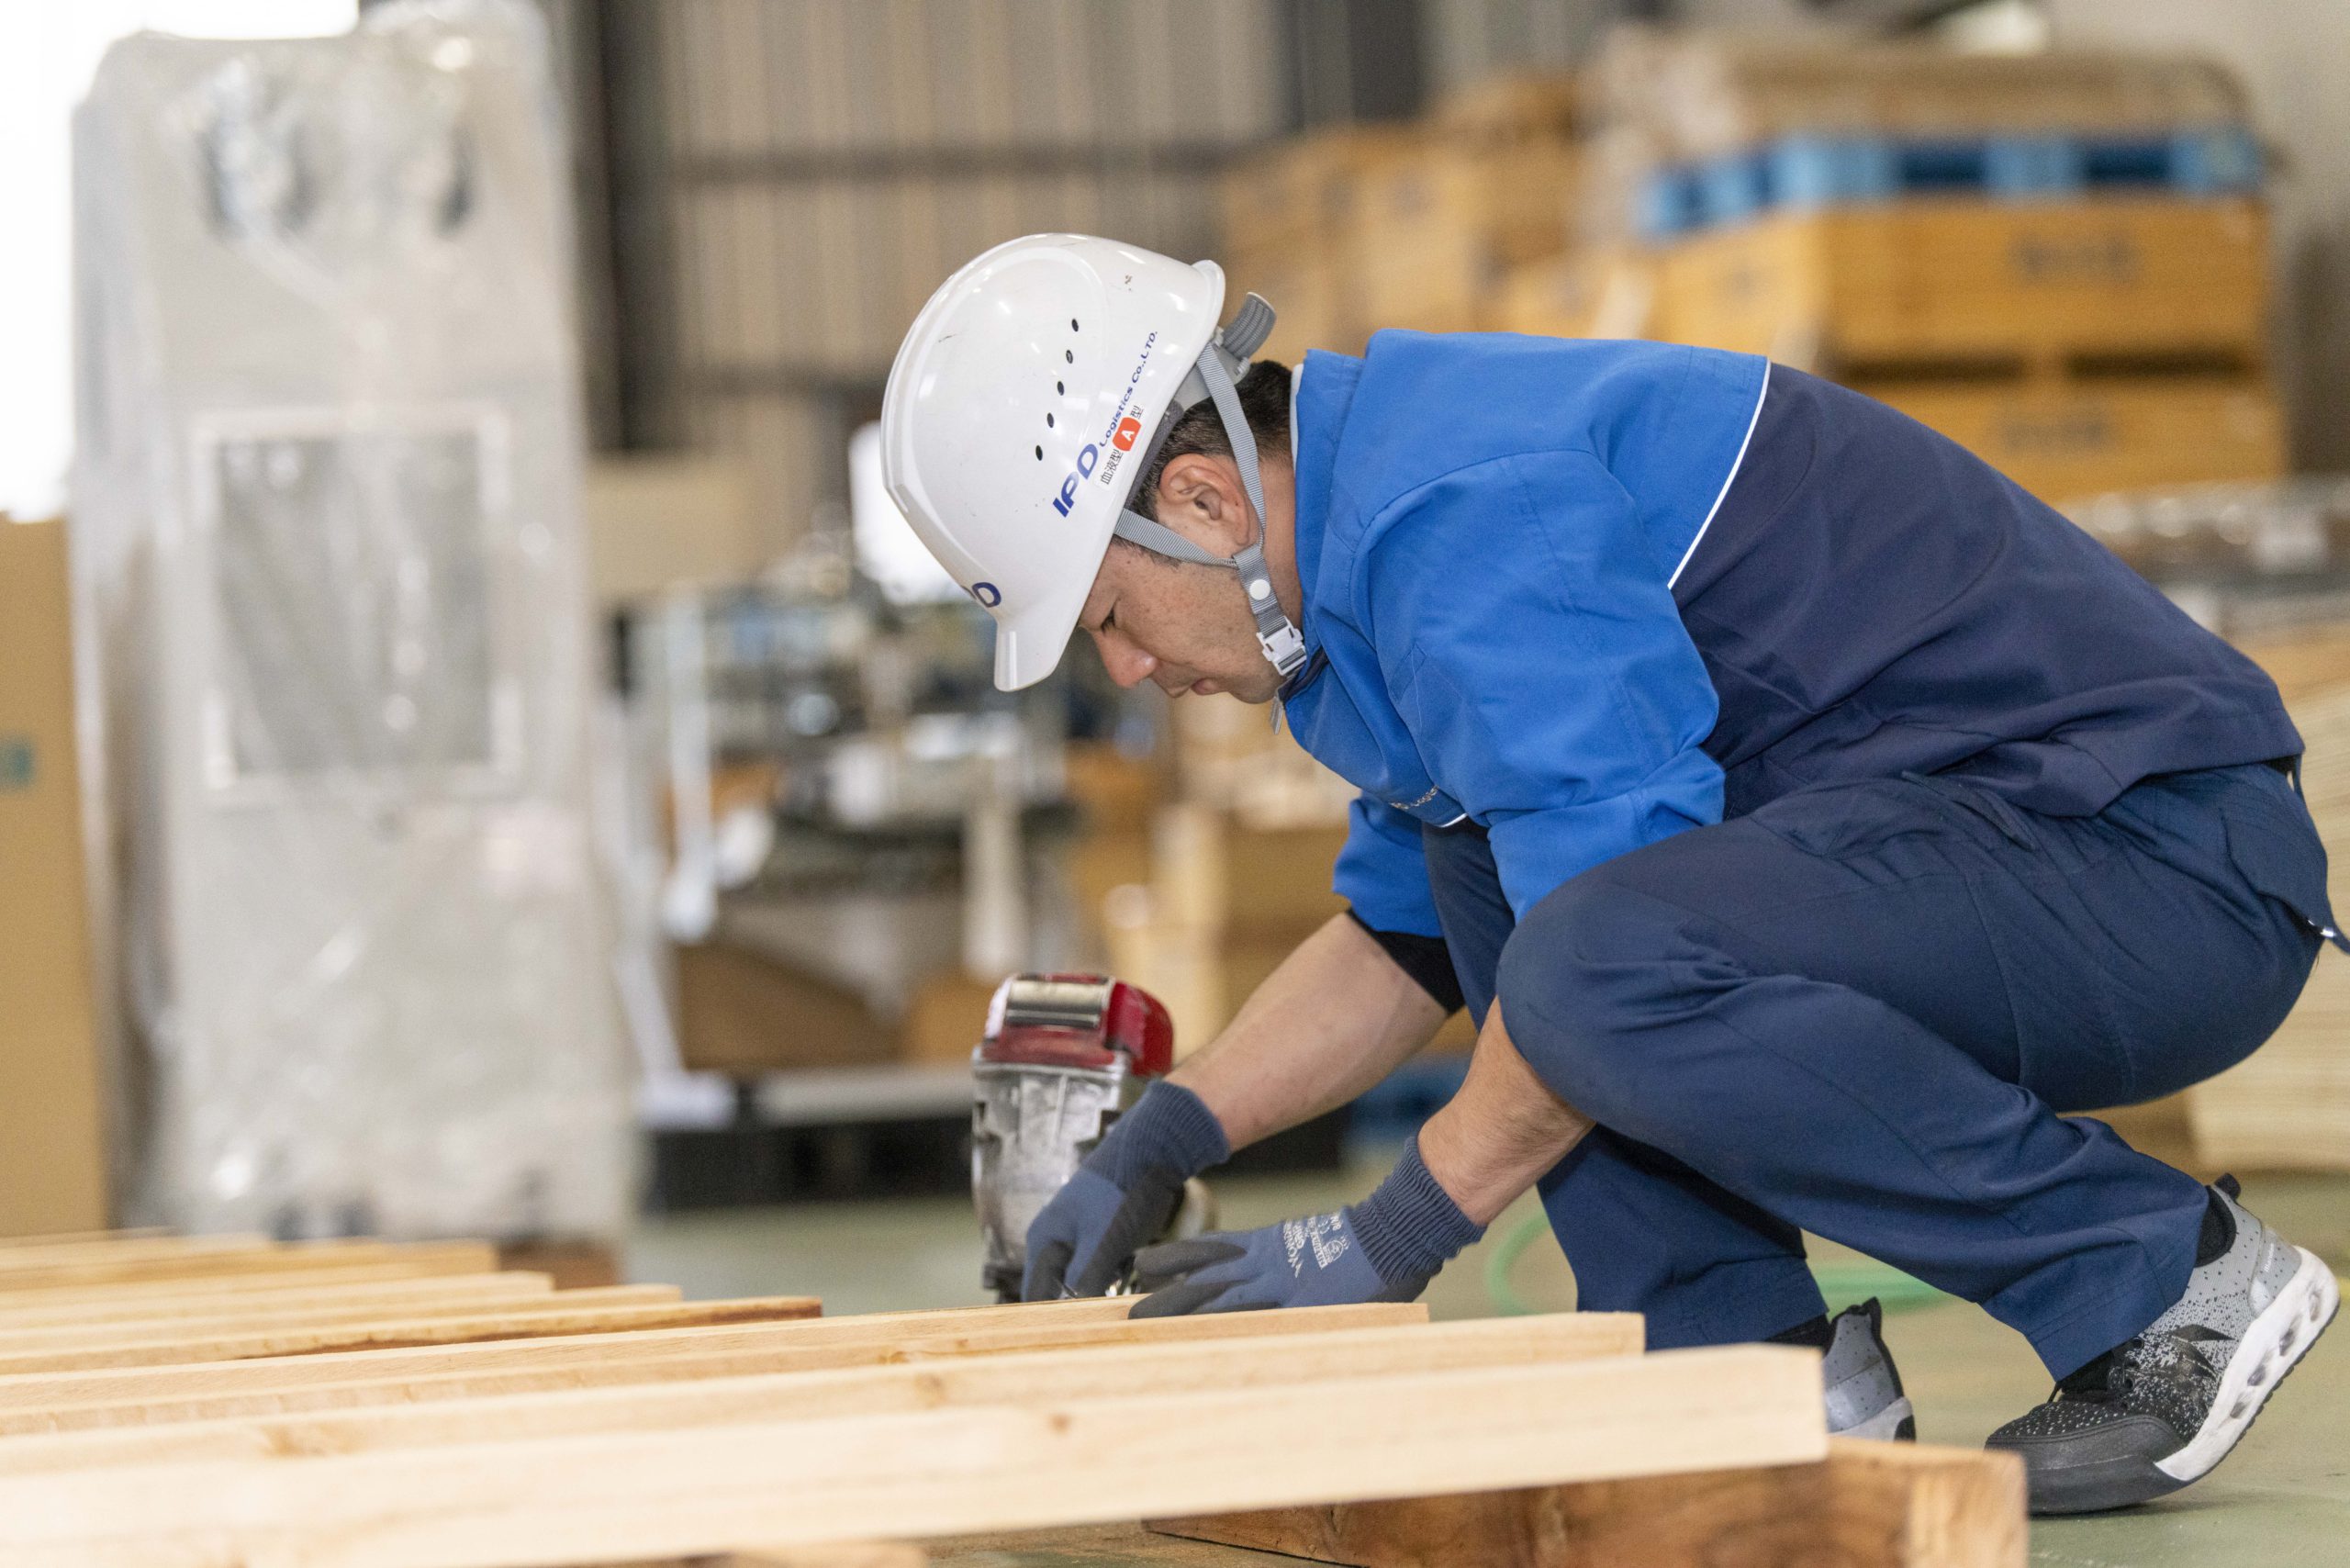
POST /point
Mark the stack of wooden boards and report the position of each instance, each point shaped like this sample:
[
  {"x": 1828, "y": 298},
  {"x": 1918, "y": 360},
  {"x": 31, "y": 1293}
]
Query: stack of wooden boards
[
  {"x": 224, "y": 1404},
  {"x": 2288, "y": 1106},
  {"x": 1357, "y": 227},
  {"x": 2061, "y": 261},
  {"x": 1222, "y": 874}
]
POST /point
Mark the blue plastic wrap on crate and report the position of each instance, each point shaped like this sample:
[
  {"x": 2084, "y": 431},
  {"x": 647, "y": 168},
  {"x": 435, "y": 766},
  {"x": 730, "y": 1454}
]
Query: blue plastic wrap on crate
[{"x": 1810, "y": 172}]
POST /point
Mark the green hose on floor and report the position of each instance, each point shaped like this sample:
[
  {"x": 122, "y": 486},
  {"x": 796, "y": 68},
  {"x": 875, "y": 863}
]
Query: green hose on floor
[{"x": 1844, "y": 1281}]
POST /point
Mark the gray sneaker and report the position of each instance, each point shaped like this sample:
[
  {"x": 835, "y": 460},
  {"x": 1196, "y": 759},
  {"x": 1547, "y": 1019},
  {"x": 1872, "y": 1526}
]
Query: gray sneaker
[
  {"x": 1864, "y": 1397},
  {"x": 2163, "y": 1408}
]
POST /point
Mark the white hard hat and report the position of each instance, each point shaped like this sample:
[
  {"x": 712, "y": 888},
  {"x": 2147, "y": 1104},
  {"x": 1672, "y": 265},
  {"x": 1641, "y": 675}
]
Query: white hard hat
[{"x": 1029, "y": 395}]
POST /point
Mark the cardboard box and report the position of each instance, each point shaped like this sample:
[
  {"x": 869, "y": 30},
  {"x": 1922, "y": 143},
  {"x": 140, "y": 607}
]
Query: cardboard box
[
  {"x": 948, "y": 1015},
  {"x": 744, "y": 1013},
  {"x": 52, "y": 1117},
  {"x": 1213, "y": 873}
]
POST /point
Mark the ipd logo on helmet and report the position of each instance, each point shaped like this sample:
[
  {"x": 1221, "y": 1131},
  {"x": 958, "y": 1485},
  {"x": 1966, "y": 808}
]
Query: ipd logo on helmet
[{"x": 1087, "y": 457}]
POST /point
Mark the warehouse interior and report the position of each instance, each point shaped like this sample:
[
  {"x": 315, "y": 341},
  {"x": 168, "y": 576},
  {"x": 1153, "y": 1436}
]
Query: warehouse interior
[{"x": 486, "y": 762}]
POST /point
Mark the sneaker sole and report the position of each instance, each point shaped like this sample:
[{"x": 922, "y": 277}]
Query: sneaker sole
[
  {"x": 2273, "y": 1344},
  {"x": 2271, "y": 1347}
]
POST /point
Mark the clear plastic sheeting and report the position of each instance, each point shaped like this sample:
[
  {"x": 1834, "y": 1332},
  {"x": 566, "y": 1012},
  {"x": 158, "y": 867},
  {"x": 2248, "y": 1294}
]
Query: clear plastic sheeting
[{"x": 331, "y": 581}]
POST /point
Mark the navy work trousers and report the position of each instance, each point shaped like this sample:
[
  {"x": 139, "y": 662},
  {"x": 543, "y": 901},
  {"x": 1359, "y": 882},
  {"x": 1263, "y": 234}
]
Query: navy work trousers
[{"x": 1858, "y": 1011}]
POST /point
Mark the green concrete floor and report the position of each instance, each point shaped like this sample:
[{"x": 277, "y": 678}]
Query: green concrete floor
[{"x": 2282, "y": 1499}]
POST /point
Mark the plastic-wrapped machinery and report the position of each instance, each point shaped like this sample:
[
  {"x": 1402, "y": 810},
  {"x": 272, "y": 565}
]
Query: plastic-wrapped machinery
[{"x": 331, "y": 589}]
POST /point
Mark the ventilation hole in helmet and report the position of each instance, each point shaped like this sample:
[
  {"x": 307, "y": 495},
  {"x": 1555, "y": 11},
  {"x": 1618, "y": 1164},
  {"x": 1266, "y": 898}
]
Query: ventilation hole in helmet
[
  {"x": 1061, "y": 388},
  {"x": 1040, "y": 454},
  {"x": 1069, "y": 354},
  {"x": 1048, "y": 422},
  {"x": 1072, "y": 323}
]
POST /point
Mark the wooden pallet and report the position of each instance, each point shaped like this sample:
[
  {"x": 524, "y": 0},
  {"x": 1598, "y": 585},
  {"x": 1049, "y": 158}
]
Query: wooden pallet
[
  {"x": 206, "y": 1426},
  {"x": 2045, "y": 288},
  {"x": 2064, "y": 440}
]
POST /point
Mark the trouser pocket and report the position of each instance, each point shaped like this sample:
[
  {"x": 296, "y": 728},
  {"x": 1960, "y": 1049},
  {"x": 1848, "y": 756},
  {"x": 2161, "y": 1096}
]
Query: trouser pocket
[{"x": 2275, "y": 845}]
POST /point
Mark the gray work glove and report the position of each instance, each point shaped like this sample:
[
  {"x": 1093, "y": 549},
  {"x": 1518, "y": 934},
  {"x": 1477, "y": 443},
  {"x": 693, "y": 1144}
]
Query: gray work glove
[
  {"x": 1123, "y": 1195},
  {"x": 1386, "y": 1247}
]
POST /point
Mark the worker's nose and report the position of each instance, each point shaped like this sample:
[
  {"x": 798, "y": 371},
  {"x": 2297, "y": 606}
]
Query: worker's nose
[{"x": 1127, "y": 664}]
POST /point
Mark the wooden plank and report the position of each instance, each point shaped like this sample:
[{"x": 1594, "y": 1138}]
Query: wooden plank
[
  {"x": 44, "y": 1254},
  {"x": 1108, "y": 1372},
  {"x": 145, "y": 1397},
  {"x": 632, "y": 1309},
  {"x": 11, "y": 1244},
  {"x": 1866, "y": 1506},
  {"x": 841, "y": 1554},
  {"x": 76, "y": 1237},
  {"x": 127, "y": 1305},
  {"x": 590, "y": 1499},
  {"x": 328, "y": 1276},
  {"x": 285, "y": 1312},
  {"x": 443, "y": 1257}
]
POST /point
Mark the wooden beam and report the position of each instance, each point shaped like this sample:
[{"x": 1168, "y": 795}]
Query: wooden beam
[
  {"x": 842, "y": 1554},
  {"x": 77, "y": 1237},
  {"x": 93, "y": 1401},
  {"x": 328, "y": 1275},
  {"x": 436, "y": 1257},
  {"x": 36, "y": 1328},
  {"x": 119, "y": 1249},
  {"x": 1867, "y": 1506},
  {"x": 88, "y": 1238},
  {"x": 589, "y": 1499},
  {"x": 215, "y": 1305},
  {"x": 1107, "y": 1373},
  {"x": 619, "y": 1308}
]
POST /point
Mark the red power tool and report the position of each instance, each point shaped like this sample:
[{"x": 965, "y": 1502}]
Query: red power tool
[{"x": 1062, "y": 1057}]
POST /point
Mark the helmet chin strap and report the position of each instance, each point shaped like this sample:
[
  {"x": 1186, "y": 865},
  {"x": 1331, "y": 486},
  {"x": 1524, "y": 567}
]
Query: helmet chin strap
[{"x": 1214, "y": 377}]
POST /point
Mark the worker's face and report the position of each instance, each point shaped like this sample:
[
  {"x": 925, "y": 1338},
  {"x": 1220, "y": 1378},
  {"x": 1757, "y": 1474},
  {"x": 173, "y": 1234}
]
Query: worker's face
[{"x": 1184, "y": 626}]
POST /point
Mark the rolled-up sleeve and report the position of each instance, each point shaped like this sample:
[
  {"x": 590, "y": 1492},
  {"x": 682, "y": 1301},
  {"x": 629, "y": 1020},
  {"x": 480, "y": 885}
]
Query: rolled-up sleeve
[{"x": 1541, "y": 665}]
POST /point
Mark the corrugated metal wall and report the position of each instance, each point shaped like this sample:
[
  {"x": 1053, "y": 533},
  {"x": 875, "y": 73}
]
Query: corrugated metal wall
[{"x": 823, "y": 165}]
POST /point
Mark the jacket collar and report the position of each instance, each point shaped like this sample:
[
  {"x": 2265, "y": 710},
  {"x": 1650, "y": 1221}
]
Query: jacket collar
[{"x": 1320, "y": 391}]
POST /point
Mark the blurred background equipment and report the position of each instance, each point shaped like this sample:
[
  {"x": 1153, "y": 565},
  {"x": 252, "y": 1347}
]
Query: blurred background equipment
[{"x": 331, "y": 596}]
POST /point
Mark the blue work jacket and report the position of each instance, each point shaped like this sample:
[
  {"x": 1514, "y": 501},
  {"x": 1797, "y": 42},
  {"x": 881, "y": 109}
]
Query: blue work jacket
[{"x": 1587, "y": 595}]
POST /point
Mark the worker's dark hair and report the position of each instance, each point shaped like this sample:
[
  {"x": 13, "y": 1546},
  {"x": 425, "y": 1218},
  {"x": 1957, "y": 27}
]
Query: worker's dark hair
[{"x": 1264, "y": 402}]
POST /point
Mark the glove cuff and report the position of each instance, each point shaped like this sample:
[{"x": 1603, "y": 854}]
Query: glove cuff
[
  {"x": 1410, "y": 1227},
  {"x": 1169, "y": 1132}
]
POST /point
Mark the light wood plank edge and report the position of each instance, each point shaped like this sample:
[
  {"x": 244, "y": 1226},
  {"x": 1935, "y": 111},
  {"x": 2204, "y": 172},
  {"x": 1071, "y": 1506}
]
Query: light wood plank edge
[
  {"x": 448, "y": 1258},
  {"x": 241, "y": 1390},
  {"x": 558, "y": 1319},
  {"x": 84, "y": 1237},
  {"x": 54, "y": 1328},
  {"x": 594, "y": 1498},
  {"x": 506, "y": 1286},
  {"x": 47, "y": 1390},
  {"x": 1101, "y": 1371},
  {"x": 845, "y": 1554},
  {"x": 328, "y": 1276},
  {"x": 1898, "y": 1504}
]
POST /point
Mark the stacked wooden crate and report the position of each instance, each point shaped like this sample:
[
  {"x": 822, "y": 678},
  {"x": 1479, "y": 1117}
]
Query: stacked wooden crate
[
  {"x": 1238, "y": 866},
  {"x": 771, "y": 1436},
  {"x": 2288, "y": 1106},
  {"x": 2060, "y": 260},
  {"x": 1414, "y": 225}
]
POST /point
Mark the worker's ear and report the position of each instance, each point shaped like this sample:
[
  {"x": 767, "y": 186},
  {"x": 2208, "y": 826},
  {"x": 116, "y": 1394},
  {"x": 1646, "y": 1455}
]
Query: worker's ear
[{"x": 1200, "y": 498}]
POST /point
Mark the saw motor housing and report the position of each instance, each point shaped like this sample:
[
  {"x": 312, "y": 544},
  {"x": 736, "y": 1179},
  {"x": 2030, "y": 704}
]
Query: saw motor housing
[{"x": 1063, "y": 1055}]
